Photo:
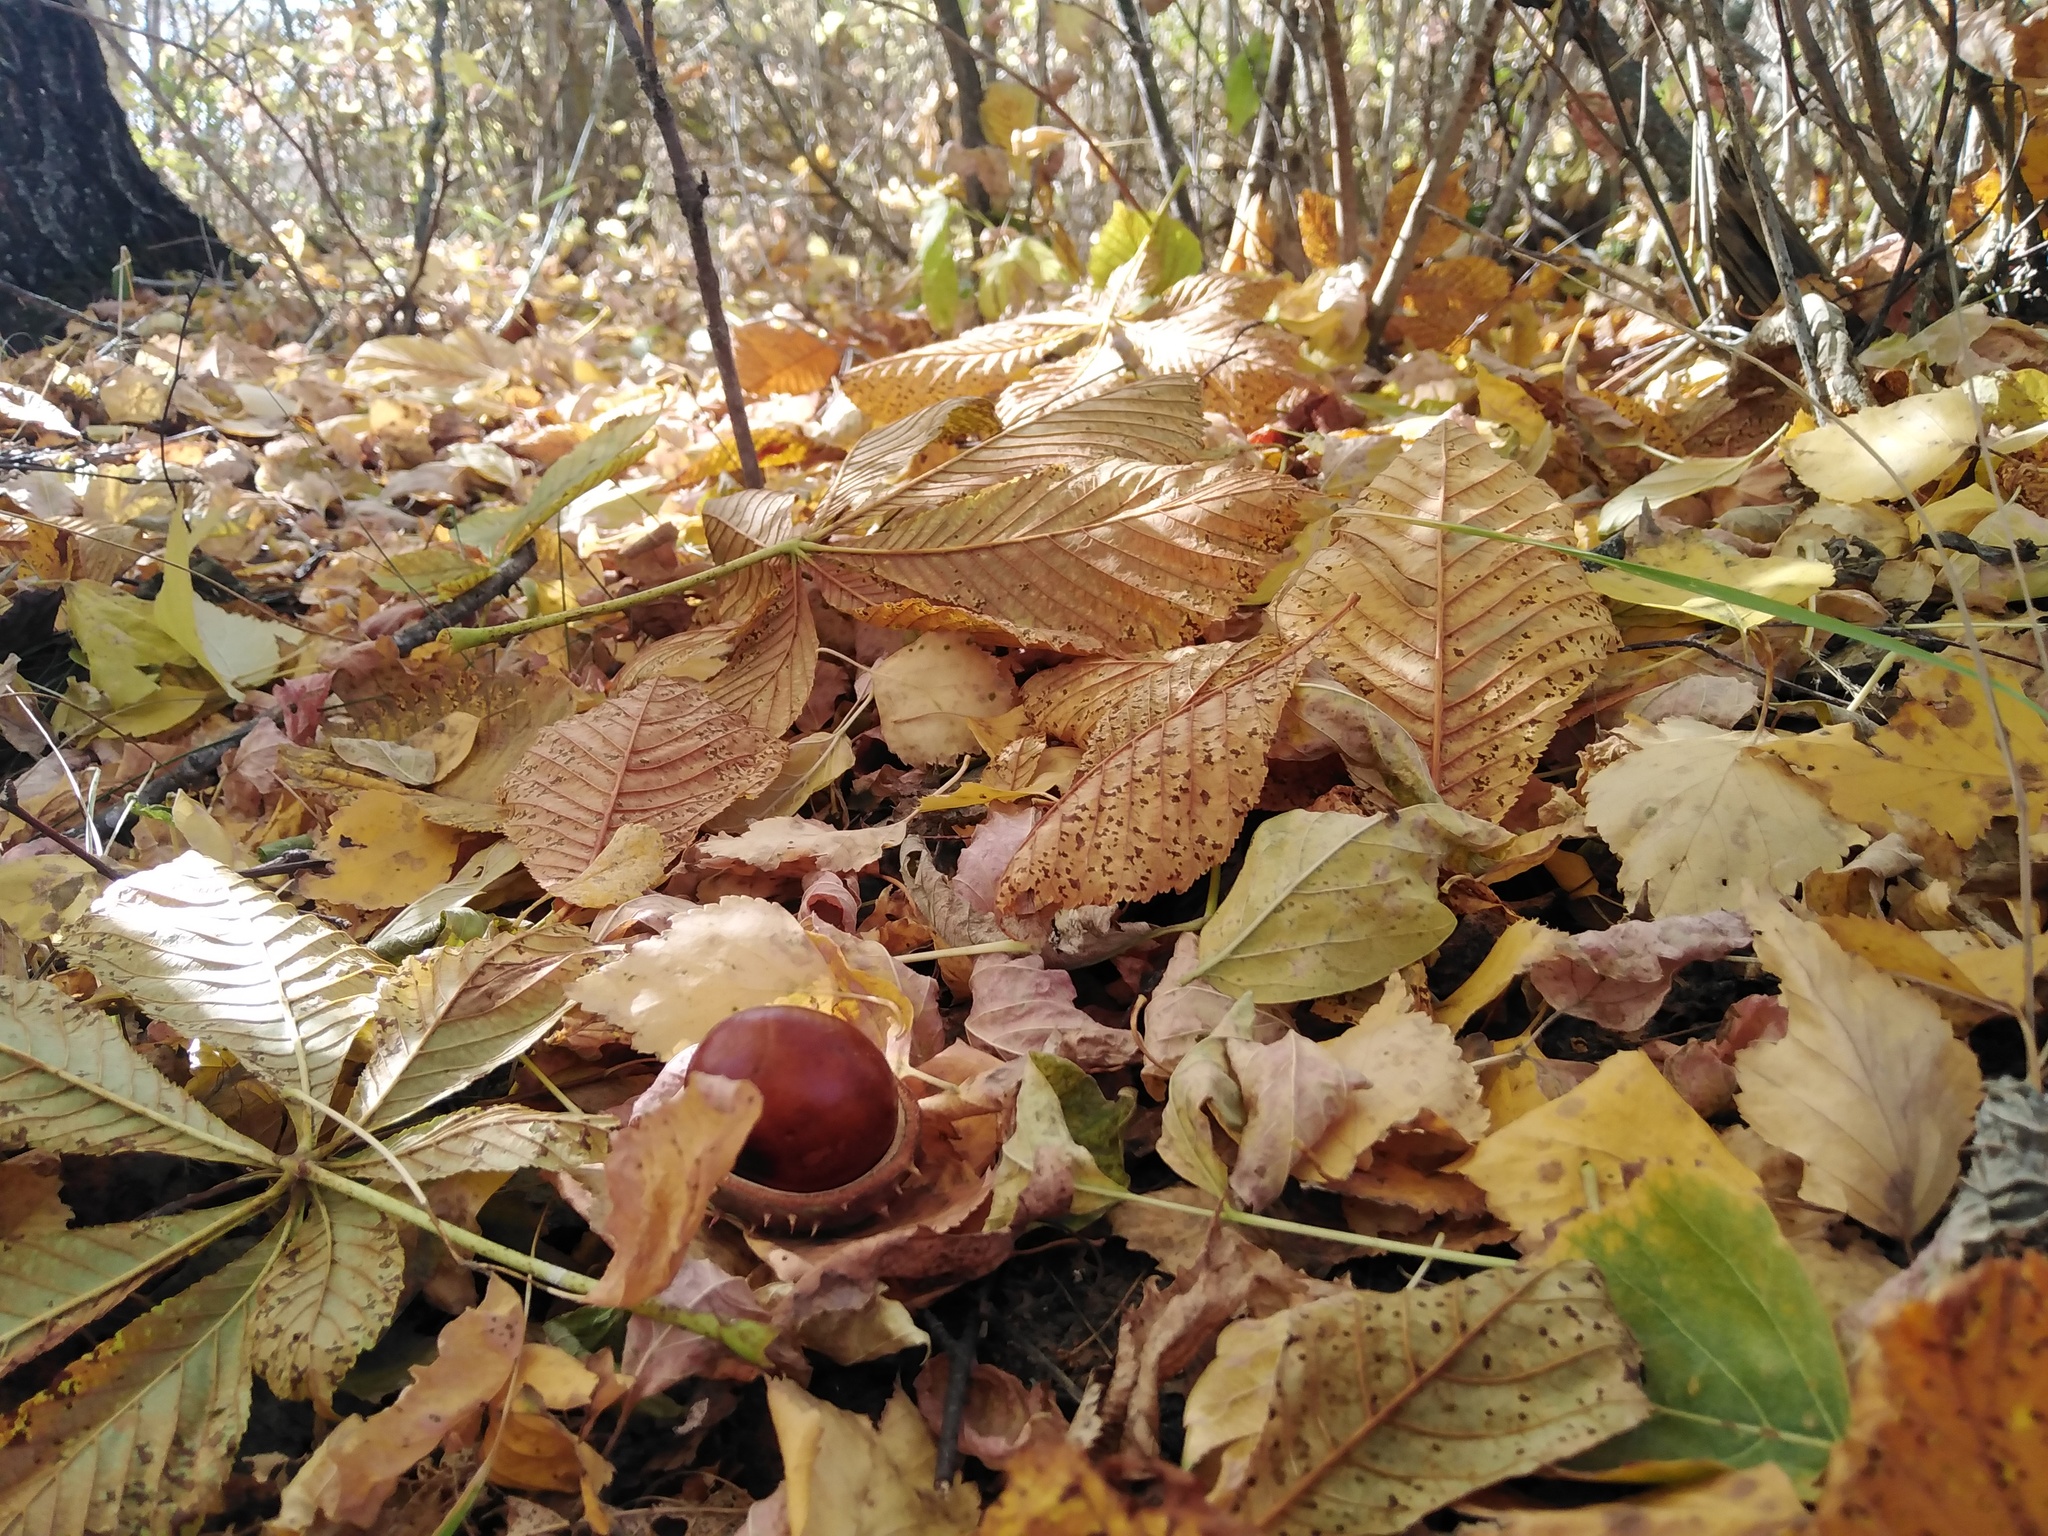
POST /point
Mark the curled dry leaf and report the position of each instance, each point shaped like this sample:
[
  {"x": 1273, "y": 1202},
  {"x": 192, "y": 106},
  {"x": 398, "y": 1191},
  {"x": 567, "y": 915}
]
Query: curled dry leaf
[
  {"x": 1402, "y": 1067},
  {"x": 664, "y": 755},
  {"x": 1618, "y": 977},
  {"x": 1758, "y": 1502},
  {"x": 1020, "y": 1007},
  {"x": 778, "y": 842},
  {"x": 1473, "y": 646},
  {"x": 928, "y": 692},
  {"x": 846, "y": 1476},
  {"x": 1164, "y": 804},
  {"x": 357, "y": 1467},
  {"x": 1869, "y": 1085},
  {"x": 1380, "y": 1408},
  {"x": 1294, "y": 1091},
  {"x": 663, "y": 1165}
]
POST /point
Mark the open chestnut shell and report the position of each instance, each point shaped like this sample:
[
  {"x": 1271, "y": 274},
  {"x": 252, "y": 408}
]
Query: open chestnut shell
[{"x": 838, "y": 1130}]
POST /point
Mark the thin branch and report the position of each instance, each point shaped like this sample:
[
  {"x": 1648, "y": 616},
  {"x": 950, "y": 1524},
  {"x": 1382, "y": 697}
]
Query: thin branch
[
  {"x": 1139, "y": 40},
  {"x": 691, "y": 190}
]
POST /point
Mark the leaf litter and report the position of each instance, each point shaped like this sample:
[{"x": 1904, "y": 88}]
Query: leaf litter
[{"x": 1406, "y": 1023}]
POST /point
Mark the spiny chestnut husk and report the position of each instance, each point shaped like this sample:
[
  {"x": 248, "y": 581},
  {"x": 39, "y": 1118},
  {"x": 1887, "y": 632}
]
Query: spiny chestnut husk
[{"x": 838, "y": 1130}]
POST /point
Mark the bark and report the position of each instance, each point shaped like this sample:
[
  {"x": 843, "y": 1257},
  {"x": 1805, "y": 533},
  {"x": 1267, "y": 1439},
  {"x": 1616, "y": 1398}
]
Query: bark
[
  {"x": 1139, "y": 40},
  {"x": 74, "y": 189}
]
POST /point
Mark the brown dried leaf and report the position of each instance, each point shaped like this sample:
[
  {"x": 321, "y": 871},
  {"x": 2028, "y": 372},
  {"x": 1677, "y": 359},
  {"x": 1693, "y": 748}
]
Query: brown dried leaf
[
  {"x": 1207, "y": 326},
  {"x": 1475, "y": 647},
  {"x": 777, "y": 358},
  {"x": 665, "y": 755},
  {"x": 1165, "y": 803},
  {"x": 979, "y": 362}
]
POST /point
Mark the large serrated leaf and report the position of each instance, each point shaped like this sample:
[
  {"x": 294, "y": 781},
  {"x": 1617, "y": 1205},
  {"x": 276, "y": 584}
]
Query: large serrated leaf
[
  {"x": 221, "y": 959},
  {"x": 603, "y": 455},
  {"x": 1119, "y": 555},
  {"x": 979, "y": 363},
  {"x": 448, "y": 1016},
  {"x": 138, "y": 1435},
  {"x": 70, "y": 1083},
  {"x": 1385, "y": 1407},
  {"x": 487, "y": 1138},
  {"x": 1162, "y": 799},
  {"x": 1476, "y": 647},
  {"x": 664, "y": 755},
  {"x": 328, "y": 1298},
  {"x": 55, "y": 1282}
]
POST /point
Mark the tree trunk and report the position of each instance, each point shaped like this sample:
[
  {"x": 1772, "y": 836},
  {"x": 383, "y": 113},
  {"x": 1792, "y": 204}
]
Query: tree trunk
[{"x": 74, "y": 189}]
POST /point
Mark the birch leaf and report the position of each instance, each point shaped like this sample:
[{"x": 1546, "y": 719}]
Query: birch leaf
[
  {"x": 1696, "y": 813},
  {"x": 1162, "y": 806},
  {"x": 221, "y": 959},
  {"x": 665, "y": 755},
  {"x": 1475, "y": 647},
  {"x": 1869, "y": 1085},
  {"x": 329, "y": 1297}
]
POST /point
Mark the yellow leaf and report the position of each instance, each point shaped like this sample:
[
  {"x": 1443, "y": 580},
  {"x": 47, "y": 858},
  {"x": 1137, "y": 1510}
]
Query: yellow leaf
[
  {"x": 663, "y": 1165},
  {"x": 777, "y": 358},
  {"x": 385, "y": 853},
  {"x": 1315, "y": 214},
  {"x": 1622, "y": 1121},
  {"x": 929, "y": 693},
  {"x": 1006, "y": 107},
  {"x": 1696, "y": 812},
  {"x": 1869, "y": 1085},
  {"x": 1939, "y": 763},
  {"x": 1758, "y": 1501},
  {"x": 239, "y": 651},
  {"x": 634, "y": 861},
  {"x": 1887, "y": 451},
  {"x": 846, "y": 1476},
  {"x": 1783, "y": 577}
]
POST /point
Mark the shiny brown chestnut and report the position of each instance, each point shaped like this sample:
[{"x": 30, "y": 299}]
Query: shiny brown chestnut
[{"x": 838, "y": 1130}]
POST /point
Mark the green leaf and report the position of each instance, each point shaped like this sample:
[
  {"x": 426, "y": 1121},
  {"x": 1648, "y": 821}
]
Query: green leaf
[
  {"x": 240, "y": 651},
  {"x": 604, "y": 455},
  {"x": 120, "y": 637},
  {"x": 448, "y": 1016},
  {"x": 938, "y": 275},
  {"x": 1739, "y": 1355},
  {"x": 221, "y": 959},
  {"x": 1095, "y": 1122},
  {"x": 1385, "y": 1407},
  {"x": 1123, "y": 237},
  {"x": 1327, "y": 902},
  {"x": 1244, "y": 82},
  {"x": 139, "y": 1435},
  {"x": 331, "y": 1295},
  {"x": 69, "y": 1082},
  {"x": 55, "y": 1282}
]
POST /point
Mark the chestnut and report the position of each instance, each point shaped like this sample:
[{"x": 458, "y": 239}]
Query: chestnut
[{"x": 838, "y": 1130}]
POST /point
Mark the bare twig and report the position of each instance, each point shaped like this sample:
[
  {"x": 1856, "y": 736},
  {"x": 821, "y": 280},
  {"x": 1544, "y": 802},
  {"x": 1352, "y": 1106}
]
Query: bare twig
[
  {"x": 63, "y": 840},
  {"x": 1343, "y": 146},
  {"x": 466, "y": 605},
  {"x": 691, "y": 190},
  {"x": 35, "y": 300},
  {"x": 1139, "y": 40},
  {"x": 1393, "y": 274},
  {"x": 428, "y": 203}
]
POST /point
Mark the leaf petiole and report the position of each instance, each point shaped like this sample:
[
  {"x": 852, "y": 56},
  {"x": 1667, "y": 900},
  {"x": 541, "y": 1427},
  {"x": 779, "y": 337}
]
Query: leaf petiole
[
  {"x": 466, "y": 639},
  {"x": 748, "y": 1340},
  {"x": 1110, "y": 1191}
]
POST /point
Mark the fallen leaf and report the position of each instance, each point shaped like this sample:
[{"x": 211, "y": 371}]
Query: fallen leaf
[
  {"x": 1164, "y": 804},
  {"x": 384, "y": 851},
  {"x": 776, "y": 842},
  {"x": 1385, "y": 1407},
  {"x": 1886, "y": 451},
  {"x": 667, "y": 991},
  {"x": 356, "y": 1468},
  {"x": 1950, "y": 1418},
  {"x": 1618, "y": 976},
  {"x": 664, "y": 755},
  {"x": 1869, "y": 1085},
  {"x": 846, "y": 1476},
  {"x": 1738, "y": 1352},
  {"x": 1475, "y": 647},
  {"x": 1696, "y": 813},
  {"x": 1757, "y": 1502},
  {"x": 1401, "y": 1067},
  {"x": 663, "y": 1165},
  {"x": 928, "y": 691},
  {"x": 1294, "y": 1091},
  {"x": 1620, "y": 1123},
  {"x": 1021, "y": 1007}
]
